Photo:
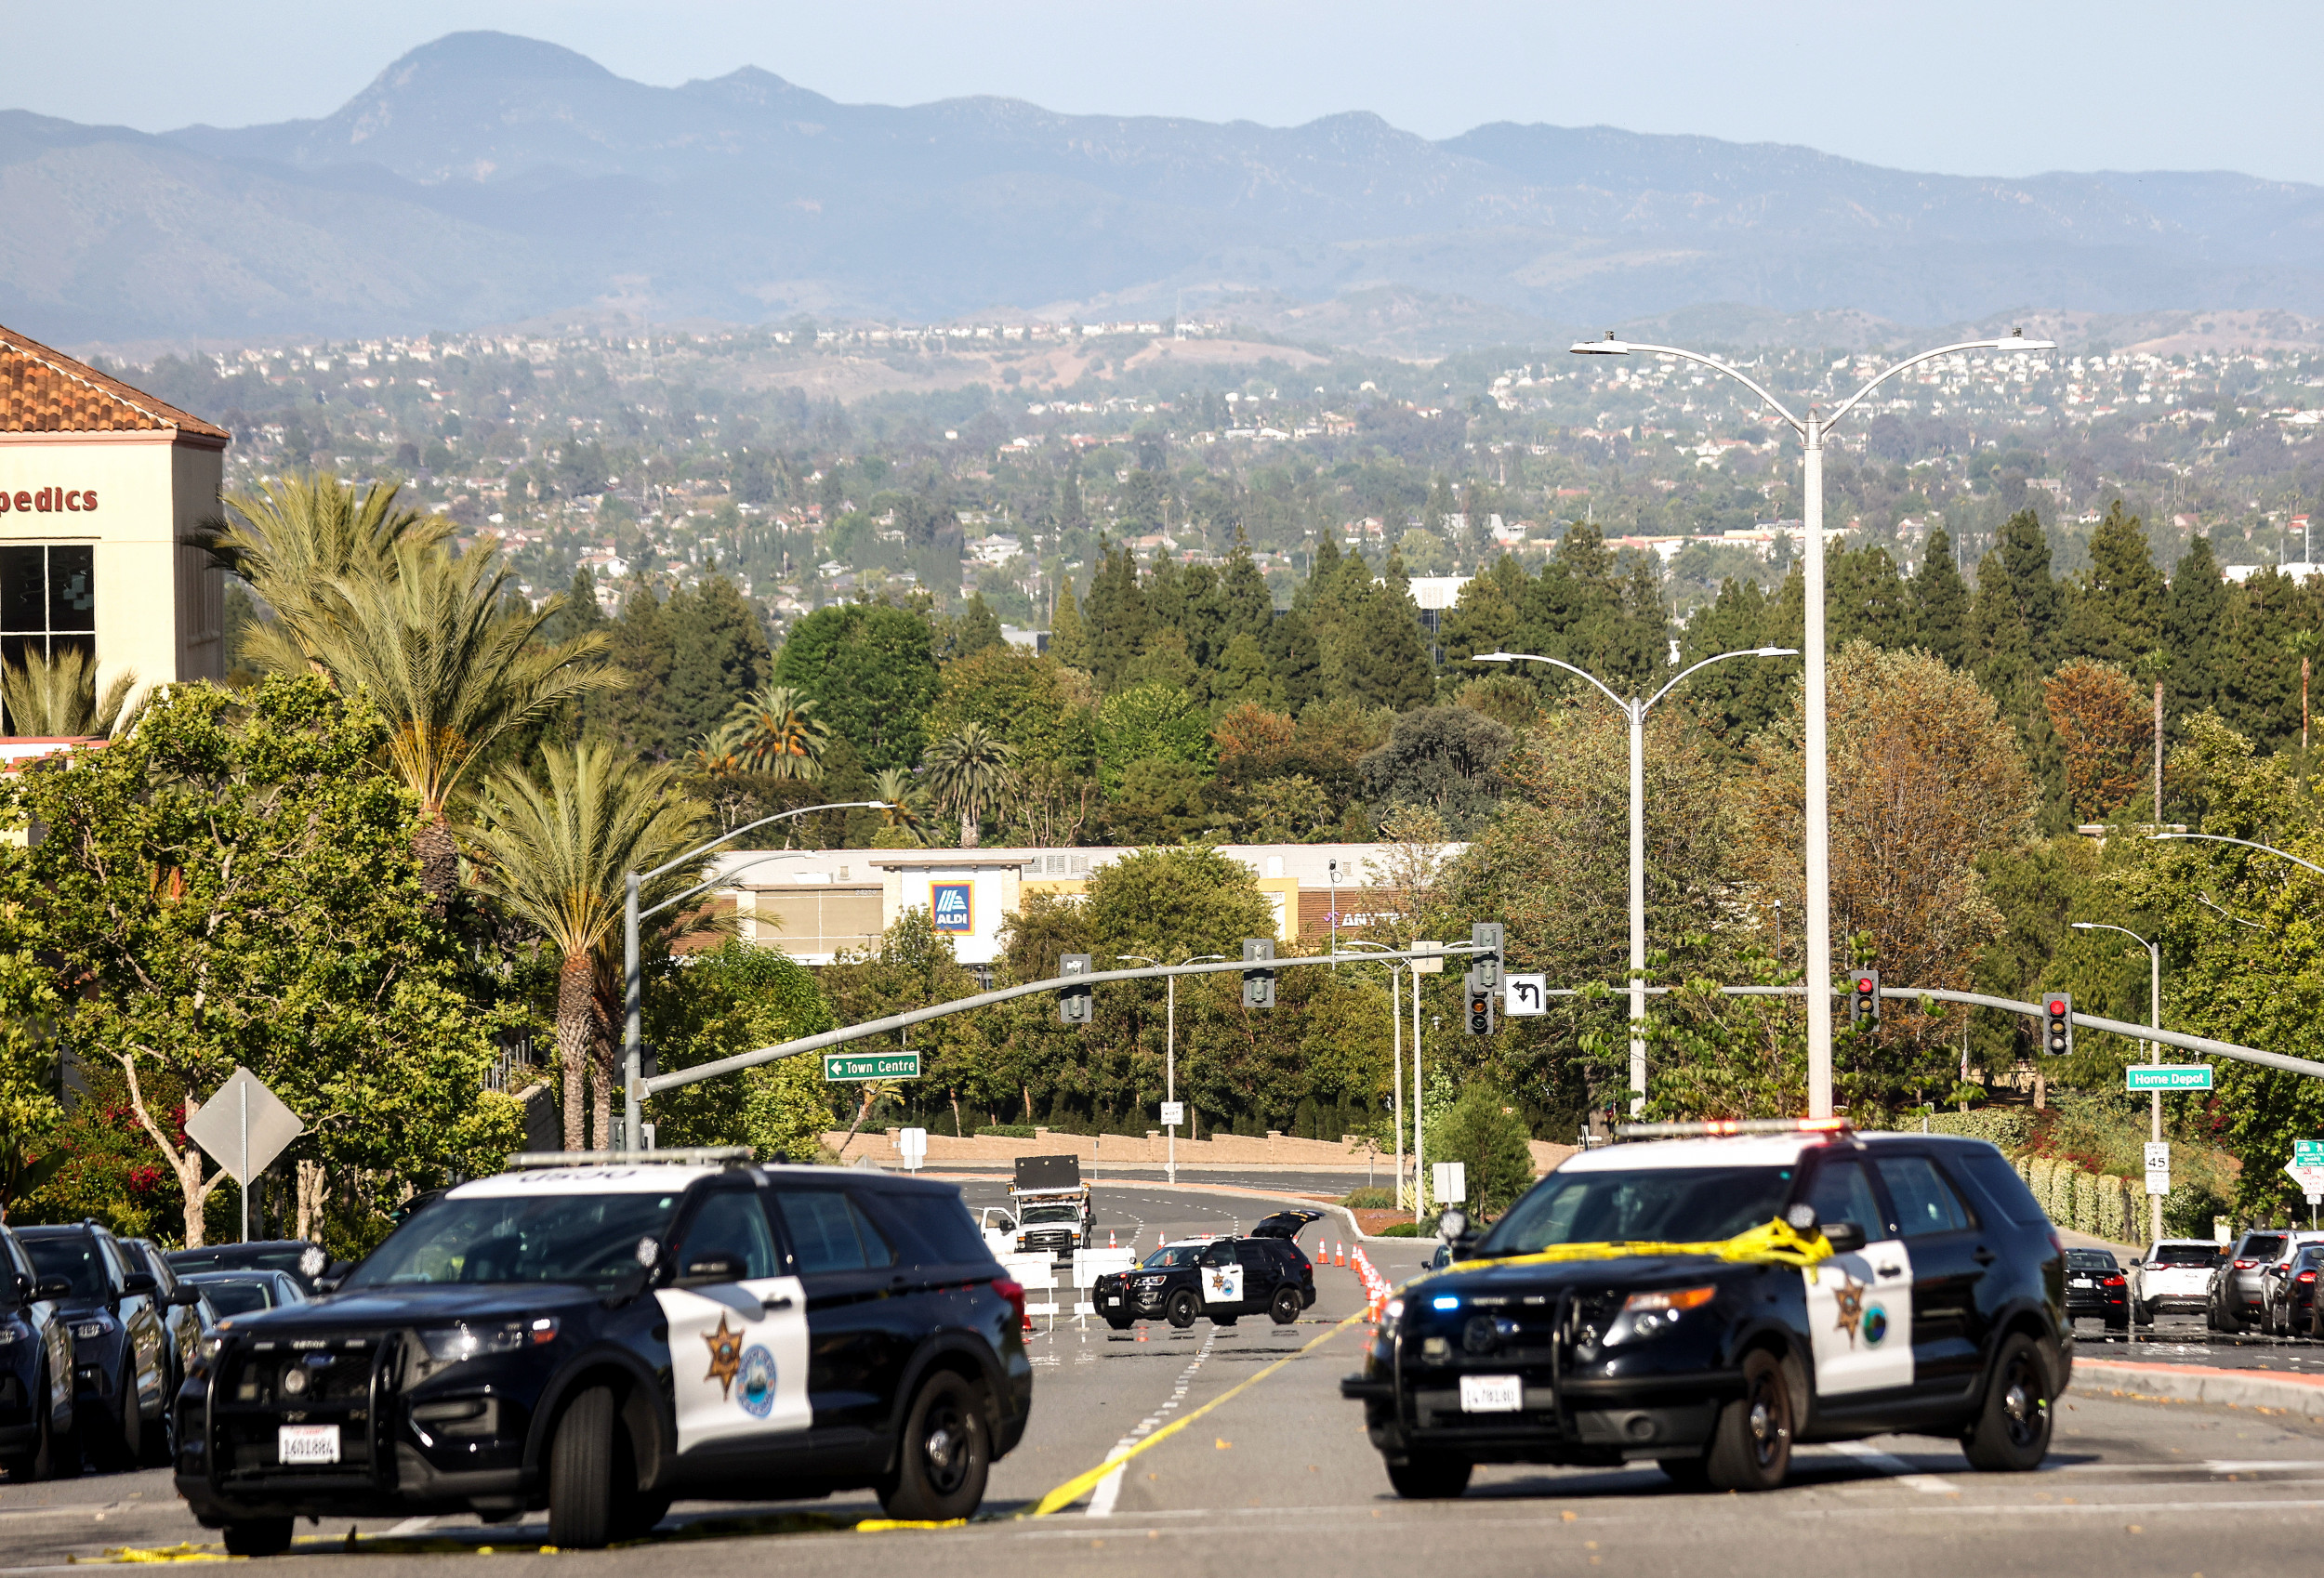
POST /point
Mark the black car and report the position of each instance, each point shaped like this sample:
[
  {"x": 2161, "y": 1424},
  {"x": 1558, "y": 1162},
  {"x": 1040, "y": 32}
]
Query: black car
[
  {"x": 246, "y": 1293},
  {"x": 2096, "y": 1288},
  {"x": 2292, "y": 1294},
  {"x": 1939, "y": 1310},
  {"x": 121, "y": 1360},
  {"x": 600, "y": 1339},
  {"x": 293, "y": 1256},
  {"x": 183, "y": 1318},
  {"x": 2239, "y": 1289},
  {"x": 1222, "y": 1279},
  {"x": 1284, "y": 1224},
  {"x": 36, "y": 1438}
]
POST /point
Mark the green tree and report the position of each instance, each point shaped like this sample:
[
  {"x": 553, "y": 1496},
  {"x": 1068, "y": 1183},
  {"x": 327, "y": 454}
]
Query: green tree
[
  {"x": 2194, "y": 616},
  {"x": 1484, "y": 1133},
  {"x": 973, "y": 775},
  {"x": 871, "y": 671},
  {"x": 1032, "y": 701},
  {"x": 777, "y": 733},
  {"x": 1150, "y": 723},
  {"x": 729, "y": 999},
  {"x": 2117, "y": 612},
  {"x": 302, "y": 533},
  {"x": 2013, "y": 620},
  {"x": 1865, "y": 600},
  {"x": 1118, "y": 617},
  {"x": 232, "y": 887},
  {"x": 556, "y": 855},
  {"x": 718, "y": 655},
  {"x": 1940, "y": 601},
  {"x": 979, "y": 628},
  {"x": 1068, "y": 643},
  {"x": 1387, "y": 665}
]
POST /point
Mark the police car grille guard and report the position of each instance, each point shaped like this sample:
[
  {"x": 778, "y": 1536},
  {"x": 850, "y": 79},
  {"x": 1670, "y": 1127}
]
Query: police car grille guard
[
  {"x": 1560, "y": 1325},
  {"x": 243, "y": 1433}
]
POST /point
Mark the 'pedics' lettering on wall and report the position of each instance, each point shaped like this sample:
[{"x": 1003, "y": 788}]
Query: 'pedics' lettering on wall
[{"x": 45, "y": 501}]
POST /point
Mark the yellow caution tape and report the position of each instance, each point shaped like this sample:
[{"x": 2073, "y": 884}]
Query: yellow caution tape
[
  {"x": 1081, "y": 1485},
  {"x": 882, "y": 1525},
  {"x": 164, "y": 1553},
  {"x": 1776, "y": 1243}
]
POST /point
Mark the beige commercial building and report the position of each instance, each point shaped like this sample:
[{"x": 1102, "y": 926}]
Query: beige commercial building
[{"x": 101, "y": 489}]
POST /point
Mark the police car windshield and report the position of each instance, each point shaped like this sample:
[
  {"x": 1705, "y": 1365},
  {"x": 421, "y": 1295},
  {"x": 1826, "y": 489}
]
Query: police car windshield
[
  {"x": 1667, "y": 1205},
  {"x": 589, "y": 1239},
  {"x": 1176, "y": 1254}
]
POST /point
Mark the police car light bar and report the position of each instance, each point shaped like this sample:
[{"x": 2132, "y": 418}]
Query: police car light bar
[
  {"x": 682, "y": 1156},
  {"x": 1697, "y": 1130}
]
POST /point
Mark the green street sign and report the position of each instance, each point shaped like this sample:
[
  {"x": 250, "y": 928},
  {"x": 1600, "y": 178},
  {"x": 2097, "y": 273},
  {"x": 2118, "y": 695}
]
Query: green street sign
[
  {"x": 2308, "y": 1152},
  {"x": 2168, "y": 1077},
  {"x": 875, "y": 1065}
]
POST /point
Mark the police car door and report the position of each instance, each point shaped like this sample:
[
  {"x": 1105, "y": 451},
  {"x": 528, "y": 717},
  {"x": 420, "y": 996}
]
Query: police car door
[
  {"x": 1222, "y": 1278},
  {"x": 1859, "y": 1304},
  {"x": 737, "y": 1343}
]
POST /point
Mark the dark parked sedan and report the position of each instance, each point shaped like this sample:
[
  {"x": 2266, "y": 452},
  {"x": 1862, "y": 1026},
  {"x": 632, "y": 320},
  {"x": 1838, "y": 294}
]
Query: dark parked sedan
[
  {"x": 2096, "y": 1288},
  {"x": 294, "y": 1256},
  {"x": 246, "y": 1293}
]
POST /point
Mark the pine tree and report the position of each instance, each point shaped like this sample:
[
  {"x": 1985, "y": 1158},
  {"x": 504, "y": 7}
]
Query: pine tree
[
  {"x": 1866, "y": 601},
  {"x": 2013, "y": 620},
  {"x": 1940, "y": 601},
  {"x": 979, "y": 627},
  {"x": 1386, "y": 664},
  {"x": 1323, "y": 571},
  {"x": 1071, "y": 516},
  {"x": 1068, "y": 640},
  {"x": 1294, "y": 658},
  {"x": 2194, "y": 611},
  {"x": 636, "y": 712},
  {"x": 2118, "y": 614},
  {"x": 1738, "y": 698},
  {"x": 1118, "y": 617},
  {"x": 1243, "y": 596},
  {"x": 718, "y": 654}
]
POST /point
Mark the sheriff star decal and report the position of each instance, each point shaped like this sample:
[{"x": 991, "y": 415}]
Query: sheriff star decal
[
  {"x": 726, "y": 1357},
  {"x": 1849, "y": 1297}
]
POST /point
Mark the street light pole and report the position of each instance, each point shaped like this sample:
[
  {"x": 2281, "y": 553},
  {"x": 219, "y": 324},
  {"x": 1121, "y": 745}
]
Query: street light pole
[
  {"x": 1169, "y": 1043},
  {"x": 1817, "y": 834},
  {"x": 1395, "y": 1053},
  {"x": 633, "y": 1037},
  {"x": 1633, "y": 711},
  {"x": 2154, "y": 1017}
]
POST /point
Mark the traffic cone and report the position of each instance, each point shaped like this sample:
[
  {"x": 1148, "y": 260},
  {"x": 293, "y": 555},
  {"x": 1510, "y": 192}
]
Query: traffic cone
[
  {"x": 1342, "y": 1258},
  {"x": 1109, "y": 1240}
]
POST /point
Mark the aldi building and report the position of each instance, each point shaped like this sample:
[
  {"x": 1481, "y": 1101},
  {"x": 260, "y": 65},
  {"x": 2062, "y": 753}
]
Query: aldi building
[{"x": 101, "y": 490}]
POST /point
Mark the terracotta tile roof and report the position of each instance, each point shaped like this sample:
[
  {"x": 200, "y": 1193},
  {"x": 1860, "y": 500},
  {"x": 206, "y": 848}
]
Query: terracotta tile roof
[{"x": 47, "y": 392}]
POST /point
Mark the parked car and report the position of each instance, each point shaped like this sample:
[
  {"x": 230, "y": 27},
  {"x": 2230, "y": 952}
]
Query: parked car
[
  {"x": 246, "y": 1293},
  {"x": 2239, "y": 1289},
  {"x": 2095, "y": 1286},
  {"x": 295, "y": 1257},
  {"x": 2174, "y": 1276},
  {"x": 36, "y": 1438},
  {"x": 1218, "y": 1279},
  {"x": 183, "y": 1318},
  {"x": 2291, "y": 1296},
  {"x": 600, "y": 1340},
  {"x": 120, "y": 1345}
]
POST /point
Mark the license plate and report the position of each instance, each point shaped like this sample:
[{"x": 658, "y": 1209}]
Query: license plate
[
  {"x": 2083, "y": 1283},
  {"x": 1113, "y": 1301},
  {"x": 1492, "y": 1394},
  {"x": 307, "y": 1444}
]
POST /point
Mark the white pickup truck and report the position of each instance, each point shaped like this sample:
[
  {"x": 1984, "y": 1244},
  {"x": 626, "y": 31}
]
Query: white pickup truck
[{"x": 2175, "y": 1275}]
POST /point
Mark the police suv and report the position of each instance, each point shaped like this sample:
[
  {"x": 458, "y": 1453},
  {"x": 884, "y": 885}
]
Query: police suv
[
  {"x": 1219, "y": 1279},
  {"x": 599, "y": 1338},
  {"x": 1708, "y": 1302}
]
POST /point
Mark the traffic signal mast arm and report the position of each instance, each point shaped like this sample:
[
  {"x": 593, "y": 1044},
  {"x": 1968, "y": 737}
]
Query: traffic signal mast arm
[{"x": 894, "y": 1022}]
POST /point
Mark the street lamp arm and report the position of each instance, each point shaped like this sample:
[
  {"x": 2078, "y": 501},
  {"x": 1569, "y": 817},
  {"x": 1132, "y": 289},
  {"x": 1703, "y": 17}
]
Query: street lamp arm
[
  {"x": 1717, "y": 366},
  {"x": 2014, "y": 342},
  {"x": 2223, "y": 838},
  {"x": 779, "y": 816},
  {"x": 1555, "y": 663},
  {"x": 2101, "y": 925},
  {"x": 1747, "y": 651}
]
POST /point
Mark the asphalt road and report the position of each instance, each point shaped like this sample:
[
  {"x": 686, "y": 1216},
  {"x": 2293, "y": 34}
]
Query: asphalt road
[{"x": 1276, "y": 1477}]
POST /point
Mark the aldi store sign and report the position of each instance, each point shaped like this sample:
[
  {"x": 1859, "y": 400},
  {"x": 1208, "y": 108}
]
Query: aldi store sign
[{"x": 953, "y": 905}]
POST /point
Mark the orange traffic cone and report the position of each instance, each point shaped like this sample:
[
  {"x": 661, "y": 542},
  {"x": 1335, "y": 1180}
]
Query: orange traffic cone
[
  {"x": 1109, "y": 1240},
  {"x": 1341, "y": 1257}
]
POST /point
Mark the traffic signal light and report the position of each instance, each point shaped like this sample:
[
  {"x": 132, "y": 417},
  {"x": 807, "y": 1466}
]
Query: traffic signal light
[
  {"x": 1074, "y": 1004},
  {"x": 1864, "y": 1004},
  {"x": 1486, "y": 967},
  {"x": 649, "y": 1059},
  {"x": 2057, "y": 1024},
  {"x": 1481, "y": 1018},
  {"x": 1258, "y": 986}
]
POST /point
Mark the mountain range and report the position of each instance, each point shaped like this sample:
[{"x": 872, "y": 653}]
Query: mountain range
[{"x": 486, "y": 177}]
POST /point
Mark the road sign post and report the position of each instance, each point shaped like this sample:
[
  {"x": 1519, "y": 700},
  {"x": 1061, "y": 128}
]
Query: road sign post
[
  {"x": 245, "y": 1126},
  {"x": 2159, "y": 1167},
  {"x": 1449, "y": 1182},
  {"x": 856, "y": 1067},
  {"x": 912, "y": 1144},
  {"x": 2166, "y": 1076},
  {"x": 1526, "y": 996}
]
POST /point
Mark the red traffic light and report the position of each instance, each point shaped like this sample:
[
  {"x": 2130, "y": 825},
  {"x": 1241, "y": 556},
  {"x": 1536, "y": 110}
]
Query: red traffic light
[
  {"x": 1863, "y": 985},
  {"x": 2056, "y": 1007}
]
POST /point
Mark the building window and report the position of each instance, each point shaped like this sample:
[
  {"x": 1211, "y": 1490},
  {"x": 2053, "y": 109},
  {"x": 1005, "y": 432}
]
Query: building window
[{"x": 48, "y": 599}]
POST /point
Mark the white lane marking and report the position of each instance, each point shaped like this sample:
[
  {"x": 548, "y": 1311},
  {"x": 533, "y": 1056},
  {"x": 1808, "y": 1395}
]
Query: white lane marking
[
  {"x": 409, "y": 1527},
  {"x": 1899, "y": 1471},
  {"x": 1101, "y": 1499}
]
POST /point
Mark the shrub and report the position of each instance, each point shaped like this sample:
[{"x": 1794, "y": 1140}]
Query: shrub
[
  {"x": 1369, "y": 1200},
  {"x": 1007, "y": 1131}
]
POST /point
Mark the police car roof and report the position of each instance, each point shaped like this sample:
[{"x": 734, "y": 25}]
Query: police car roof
[
  {"x": 636, "y": 1178},
  {"x": 1730, "y": 1151}
]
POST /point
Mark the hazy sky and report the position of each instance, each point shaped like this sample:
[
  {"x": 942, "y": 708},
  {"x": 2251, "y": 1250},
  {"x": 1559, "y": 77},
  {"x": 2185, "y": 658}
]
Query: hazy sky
[{"x": 1967, "y": 86}]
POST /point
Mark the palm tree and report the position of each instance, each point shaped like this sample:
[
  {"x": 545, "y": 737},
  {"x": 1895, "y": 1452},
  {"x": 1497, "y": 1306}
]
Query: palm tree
[
  {"x": 780, "y": 734},
  {"x": 451, "y": 660},
  {"x": 715, "y": 764},
  {"x": 908, "y": 803},
  {"x": 57, "y": 697},
  {"x": 300, "y": 534},
  {"x": 971, "y": 773},
  {"x": 556, "y": 855}
]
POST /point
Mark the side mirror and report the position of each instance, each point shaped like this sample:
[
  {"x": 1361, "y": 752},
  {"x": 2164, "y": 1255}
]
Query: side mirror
[
  {"x": 182, "y": 1297},
  {"x": 720, "y": 1267},
  {"x": 1843, "y": 1237},
  {"x": 326, "y": 1285},
  {"x": 52, "y": 1289},
  {"x": 1452, "y": 1225},
  {"x": 2138, "y": 1262},
  {"x": 137, "y": 1284}
]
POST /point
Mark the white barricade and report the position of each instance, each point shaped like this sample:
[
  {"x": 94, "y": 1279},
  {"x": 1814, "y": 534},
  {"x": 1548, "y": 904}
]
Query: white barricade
[
  {"x": 1035, "y": 1273},
  {"x": 1092, "y": 1263}
]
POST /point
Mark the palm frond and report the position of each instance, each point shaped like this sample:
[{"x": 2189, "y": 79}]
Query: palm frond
[
  {"x": 57, "y": 697},
  {"x": 781, "y": 735}
]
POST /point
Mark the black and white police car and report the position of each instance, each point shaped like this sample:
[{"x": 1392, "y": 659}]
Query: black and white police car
[
  {"x": 1219, "y": 1279},
  {"x": 599, "y": 1338},
  {"x": 1710, "y": 1302}
]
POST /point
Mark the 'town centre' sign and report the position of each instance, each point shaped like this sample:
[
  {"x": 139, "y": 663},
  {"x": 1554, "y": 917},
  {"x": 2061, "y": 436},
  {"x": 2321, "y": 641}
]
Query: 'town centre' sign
[{"x": 843, "y": 1066}]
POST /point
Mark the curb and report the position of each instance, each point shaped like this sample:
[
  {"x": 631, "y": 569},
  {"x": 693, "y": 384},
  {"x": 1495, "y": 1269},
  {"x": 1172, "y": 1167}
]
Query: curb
[{"x": 2197, "y": 1383}]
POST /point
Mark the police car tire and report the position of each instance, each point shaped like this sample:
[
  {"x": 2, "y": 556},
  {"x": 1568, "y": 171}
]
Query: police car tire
[
  {"x": 581, "y": 1473},
  {"x": 1118, "y": 1322},
  {"x": 2011, "y": 1434},
  {"x": 1285, "y": 1307},
  {"x": 1441, "y": 1478},
  {"x": 1751, "y": 1444},
  {"x": 1182, "y": 1309},
  {"x": 258, "y": 1536},
  {"x": 922, "y": 1490}
]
